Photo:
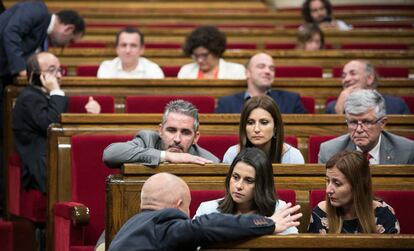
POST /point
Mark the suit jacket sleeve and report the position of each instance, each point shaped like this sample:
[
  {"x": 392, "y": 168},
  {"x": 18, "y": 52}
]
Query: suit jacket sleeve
[
  {"x": 19, "y": 26},
  {"x": 212, "y": 228},
  {"x": 299, "y": 108},
  {"x": 41, "y": 113},
  {"x": 139, "y": 150}
]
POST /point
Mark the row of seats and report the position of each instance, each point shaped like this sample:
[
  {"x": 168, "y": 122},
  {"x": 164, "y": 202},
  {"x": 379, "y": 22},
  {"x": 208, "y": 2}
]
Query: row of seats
[
  {"x": 281, "y": 71},
  {"x": 252, "y": 46},
  {"x": 156, "y": 104}
]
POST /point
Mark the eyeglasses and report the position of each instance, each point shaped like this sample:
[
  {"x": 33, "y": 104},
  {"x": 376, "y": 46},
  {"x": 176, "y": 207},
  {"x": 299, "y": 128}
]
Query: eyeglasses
[
  {"x": 53, "y": 70},
  {"x": 365, "y": 124},
  {"x": 201, "y": 56}
]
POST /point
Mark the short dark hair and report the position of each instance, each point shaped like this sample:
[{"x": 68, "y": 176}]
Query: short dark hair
[
  {"x": 72, "y": 17},
  {"x": 32, "y": 66},
  {"x": 130, "y": 30},
  {"x": 208, "y": 37},
  {"x": 264, "y": 199},
  {"x": 306, "y": 12},
  {"x": 306, "y": 33}
]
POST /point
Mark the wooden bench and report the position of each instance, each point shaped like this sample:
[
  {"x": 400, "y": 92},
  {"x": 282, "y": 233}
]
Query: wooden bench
[
  {"x": 327, "y": 59},
  {"x": 301, "y": 178}
]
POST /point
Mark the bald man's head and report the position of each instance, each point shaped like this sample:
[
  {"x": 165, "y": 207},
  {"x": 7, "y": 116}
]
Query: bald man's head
[
  {"x": 260, "y": 73},
  {"x": 165, "y": 190}
]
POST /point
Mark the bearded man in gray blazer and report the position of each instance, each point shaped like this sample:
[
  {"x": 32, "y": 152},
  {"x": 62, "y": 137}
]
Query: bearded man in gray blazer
[
  {"x": 366, "y": 120},
  {"x": 175, "y": 141}
]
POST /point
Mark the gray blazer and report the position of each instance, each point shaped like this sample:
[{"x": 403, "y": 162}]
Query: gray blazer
[
  {"x": 393, "y": 149},
  {"x": 145, "y": 148}
]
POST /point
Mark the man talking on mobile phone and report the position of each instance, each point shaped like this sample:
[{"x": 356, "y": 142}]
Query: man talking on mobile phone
[{"x": 38, "y": 106}]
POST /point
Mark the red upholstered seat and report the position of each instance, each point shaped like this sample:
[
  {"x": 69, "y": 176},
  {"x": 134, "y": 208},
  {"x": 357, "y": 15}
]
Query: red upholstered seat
[
  {"x": 87, "y": 70},
  {"x": 85, "y": 44},
  {"x": 383, "y": 71},
  {"x": 218, "y": 144},
  {"x": 375, "y": 46},
  {"x": 170, "y": 71},
  {"x": 280, "y": 46},
  {"x": 401, "y": 201},
  {"x": 77, "y": 103},
  {"x": 156, "y": 104},
  {"x": 291, "y": 140},
  {"x": 299, "y": 71},
  {"x": 88, "y": 188},
  {"x": 243, "y": 46},
  {"x": 198, "y": 196},
  {"x": 410, "y": 102},
  {"x": 6, "y": 235},
  {"x": 308, "y": 103},
  {"x": 162, "y": 46},
  {"x": 314, "y": 144}
]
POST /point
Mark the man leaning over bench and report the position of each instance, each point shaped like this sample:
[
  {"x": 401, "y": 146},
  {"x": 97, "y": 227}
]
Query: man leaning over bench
[{"x": 176, "y": 141}]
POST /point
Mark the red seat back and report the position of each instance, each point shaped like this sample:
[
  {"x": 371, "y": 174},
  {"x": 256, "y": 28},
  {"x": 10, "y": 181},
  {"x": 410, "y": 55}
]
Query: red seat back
[
  {"x": 156, "y": 104},
  {"x": 308, "y": 103},
  {"x": 162, "y": 46},
  {"x": 77, "y": 103},
  {"x": 401, "y": 201},
  {"x": 299, "y": 71},
  {"x": 291, "y": 140},
  {"x": 170, "y": 71},
  {"x": 87, "y": 70},
  {"x": 6, "y": 235},
  {"x": 376, "y": 46},
  {"x": 85, "y": 44},
  {"x": 314, "y": 144},
  {"x": 410, "y": 102},
  {"x": 218, "y": 144},
  {"x": 88, "y": 178},
  {"x": 280, "y": 46},
  {"x": 198, "y": 196},
  {"x": 242, "y": 46}
]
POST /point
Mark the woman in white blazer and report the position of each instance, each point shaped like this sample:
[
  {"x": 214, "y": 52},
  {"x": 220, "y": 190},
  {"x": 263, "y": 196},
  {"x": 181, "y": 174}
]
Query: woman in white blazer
[{"x": 206, "y": 45}]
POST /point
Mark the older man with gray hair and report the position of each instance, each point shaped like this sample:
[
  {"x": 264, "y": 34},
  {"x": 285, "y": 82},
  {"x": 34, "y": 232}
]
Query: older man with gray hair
[
  {"x": 360, "y": 74},
  {"x": 366, "y": 119},
  {"x": 175, "y": 141}
]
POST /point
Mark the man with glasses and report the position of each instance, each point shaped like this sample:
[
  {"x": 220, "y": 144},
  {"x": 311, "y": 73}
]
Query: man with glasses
[
  {"x": 366, "y": 120},
  {"x": 38, "y": 106}
]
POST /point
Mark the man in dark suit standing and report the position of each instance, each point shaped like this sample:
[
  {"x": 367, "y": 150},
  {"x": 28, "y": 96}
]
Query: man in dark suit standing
[
  {"x": 164, "y": 224},
  {"x": 360, "y": 74},
  {"x": 260, "y": 74},
  {"x": 38, "y": 106}
]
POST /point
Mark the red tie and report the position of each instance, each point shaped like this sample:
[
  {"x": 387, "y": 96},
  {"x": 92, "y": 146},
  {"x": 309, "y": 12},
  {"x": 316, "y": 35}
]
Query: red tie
[{"x": 368, "y": 156}]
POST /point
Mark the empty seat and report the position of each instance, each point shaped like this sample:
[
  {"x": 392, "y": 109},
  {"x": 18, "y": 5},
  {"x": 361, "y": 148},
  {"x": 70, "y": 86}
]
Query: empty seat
[
  {"x": 88, "y": 188},
  {"x": 299, "y": 71},
  {"x": 280, "y": 46},
  {"x": 77, "y": 103},
  {"x": 156, "y": 104},
  {"x": 218, "y": 144},
  {"x": 87, "y": 70},
  {"x": 410, "y": 102},
  {"x": 308, "y": 103},
  {"x": 314, "y": 143},
  {"x": 170, "y": 71},
  {"x": 376, "y": 46},
  {"x": 400, "y": 201}
]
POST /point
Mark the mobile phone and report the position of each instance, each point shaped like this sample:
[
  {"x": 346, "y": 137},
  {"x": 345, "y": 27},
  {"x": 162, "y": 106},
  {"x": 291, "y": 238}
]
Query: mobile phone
[{"x": 36, "y": 79}]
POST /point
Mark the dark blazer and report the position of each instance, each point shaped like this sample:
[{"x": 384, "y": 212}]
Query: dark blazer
[
  {"x": 171, "y": 229},
  {"x": 393, "y": 105},
  {"x": 394, "y": 149},
  {"x": 33, "y": 113},
  {"x": 23, "y": 28},
  {"x": 288, "y": 102}
]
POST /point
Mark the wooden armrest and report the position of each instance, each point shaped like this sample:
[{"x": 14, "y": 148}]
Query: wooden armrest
[{"x": 77, "y": 213}]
